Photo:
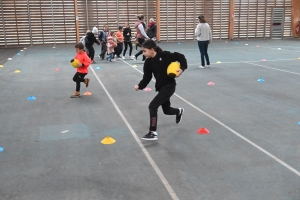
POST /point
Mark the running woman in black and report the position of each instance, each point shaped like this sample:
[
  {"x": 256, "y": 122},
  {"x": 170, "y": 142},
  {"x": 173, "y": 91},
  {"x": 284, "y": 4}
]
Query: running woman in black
[{"x": 157, "y": 63}]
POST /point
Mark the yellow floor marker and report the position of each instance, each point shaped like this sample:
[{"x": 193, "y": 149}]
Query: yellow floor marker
[
  {"x": 134, "y": 66},
  {"x": 1, "y": 66},
  {"x": 298, "y": 58},
  {"x": 219, "y": 62},
  {"x": 17, "y": 71},
  {"x": 108, "y": 140}
]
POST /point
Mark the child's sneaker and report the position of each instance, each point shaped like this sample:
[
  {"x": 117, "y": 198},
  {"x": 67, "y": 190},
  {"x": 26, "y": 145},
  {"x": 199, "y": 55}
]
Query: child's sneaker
[
  {"x": 86, "y": 81},
  {"x": 75, "y": 95},
  {"x": 133, "y": 58},
  {"x": 150, "y": 136},
  {"x": 179, "y": 116},
  {"x": 93, "y": 62},
  {"x": 201, "y": 67}
]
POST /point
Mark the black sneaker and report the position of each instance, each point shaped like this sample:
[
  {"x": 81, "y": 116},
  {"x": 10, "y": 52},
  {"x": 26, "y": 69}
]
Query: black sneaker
[
  {"x": 179, "y": 116},
  {"x": 150, "y": 136}
]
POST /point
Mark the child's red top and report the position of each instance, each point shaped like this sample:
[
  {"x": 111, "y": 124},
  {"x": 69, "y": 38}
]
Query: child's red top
[{"x": 84, "y": 59}]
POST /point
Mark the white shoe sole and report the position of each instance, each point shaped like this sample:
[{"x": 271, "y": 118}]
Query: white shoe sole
[
  {"x": 181, "y": 116},
  {"x": 149, "y": 138}
]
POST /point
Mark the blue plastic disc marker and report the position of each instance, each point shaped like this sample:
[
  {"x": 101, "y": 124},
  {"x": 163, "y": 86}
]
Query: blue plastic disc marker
[
  {"x": 1, "y": 149},
  {"x": 31, "y": 98},
  {"x": 261, "y": 80},
  {"x": 299, "y": 123},
  {"x": 98, "y": 68},
  {"x": 236, "y": 43}
]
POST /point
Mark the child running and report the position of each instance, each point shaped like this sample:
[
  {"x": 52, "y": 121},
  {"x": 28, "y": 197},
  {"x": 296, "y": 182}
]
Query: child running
[
  {"x": 157, "y": 63},
  {"x": 82, "y": 70}
]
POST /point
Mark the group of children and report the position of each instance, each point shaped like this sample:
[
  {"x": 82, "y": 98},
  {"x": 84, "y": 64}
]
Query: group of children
[
  {"x": 156, "y": 64},
  {"x": 111, "y": 42}
]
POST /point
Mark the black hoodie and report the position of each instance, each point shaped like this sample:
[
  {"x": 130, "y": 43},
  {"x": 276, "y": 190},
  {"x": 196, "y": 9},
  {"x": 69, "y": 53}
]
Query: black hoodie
[
  {"x": 158, "y": 66},
  {"x": 127, "y": 38}
]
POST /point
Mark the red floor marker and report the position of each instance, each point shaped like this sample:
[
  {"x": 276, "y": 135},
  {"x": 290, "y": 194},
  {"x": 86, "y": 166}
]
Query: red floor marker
[
  {"x": 263, "y": 60},
  {"x": 87, "y": 94},
  {"x": 56, "y": 69},
  {"x": 203, "y": 131}
]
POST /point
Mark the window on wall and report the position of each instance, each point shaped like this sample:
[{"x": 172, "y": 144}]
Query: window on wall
[
  {"x": 33, "y": 22},
  {"x": 179, "y": 18},
  {"x": 37, "y": 22},
  {"x": 52, "y": 21},
  {"x": 114, "y": 13},
  {"x": 253, "y": 18}
]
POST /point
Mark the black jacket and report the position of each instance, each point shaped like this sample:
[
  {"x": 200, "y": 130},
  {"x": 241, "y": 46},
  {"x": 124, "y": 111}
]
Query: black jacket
[
  {"x": 127, "y": 38},
  {"x": 151, "y": 32},
  {"x": 90, "y": 39},
  {"x": 158, "y": 67}
]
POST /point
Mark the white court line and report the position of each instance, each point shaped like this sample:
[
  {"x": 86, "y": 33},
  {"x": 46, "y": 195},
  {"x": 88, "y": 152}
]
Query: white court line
[
  {"x": 154, "y": 165},
  {"x": 234, "y": 132},
  {"x": 276, "y": 48},
  {"x": 247, "y": 61},
  {"x": 273, "y": 68}
]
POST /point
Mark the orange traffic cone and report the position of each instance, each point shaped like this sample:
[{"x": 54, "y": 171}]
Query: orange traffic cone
[
  {"x": 203, "y": 131},
  {"x": 87, "y": 94}
]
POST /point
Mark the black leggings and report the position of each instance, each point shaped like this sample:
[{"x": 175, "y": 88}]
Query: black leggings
[
  {"x": 78, "y": 78},
  {"x": 91, "y": 52},
  {"x": 119, "y": 49},
  {"x": 141, "y": 41},
  {"x": 103, "y": 50},
  {"x": 130, "y": 48},
  {"x": 161, "y": 99}
]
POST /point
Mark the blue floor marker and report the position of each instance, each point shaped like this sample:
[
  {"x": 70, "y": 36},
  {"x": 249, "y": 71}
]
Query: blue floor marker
[
  {"x": 18, "y": 54},
  {"x": 178, "y": 43},
  {"x": 260, "y": 80},
  {"x": 299, "y": 123},
  {"x": 1, "y": 149},
  {"x": 31, "y": 98},
  {"x": 236, "y": 43},
  {"x": 98, "y": 68}
]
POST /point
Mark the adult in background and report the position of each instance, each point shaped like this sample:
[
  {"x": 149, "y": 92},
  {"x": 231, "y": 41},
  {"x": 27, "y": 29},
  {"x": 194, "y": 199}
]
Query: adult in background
[
  {"x": 204, "y": 37},
  {"x": 141, "y": 34},
  {"x": 89, "y": 42},
  {"x": 151, "y": 32}
]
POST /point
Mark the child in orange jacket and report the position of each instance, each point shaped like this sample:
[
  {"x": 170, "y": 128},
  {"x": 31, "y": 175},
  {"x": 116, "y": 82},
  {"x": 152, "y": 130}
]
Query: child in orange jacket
[
  {"x": 82, "y": 69},
  {"x": 120, "y": 38}
]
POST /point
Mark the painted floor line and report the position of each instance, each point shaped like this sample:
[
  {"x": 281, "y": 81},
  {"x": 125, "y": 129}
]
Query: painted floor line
[
  {"x": 234, "y": 132},
  {"x": 273, "y": 68},
  {"x": 256, "y": 61},
  {"x": 154, "y": 165}
]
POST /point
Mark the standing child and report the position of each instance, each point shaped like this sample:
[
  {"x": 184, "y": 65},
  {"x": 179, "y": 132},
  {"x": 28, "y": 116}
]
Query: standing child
[
  {"x": 110, "y": 48},
  {"x": 120, "y": 38},
  {"x": 157, "y": 63},
  {"x": 103, "y": 39},
  {"x": 82, "y": 70},
  {"x": 127, "y": 40}
]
